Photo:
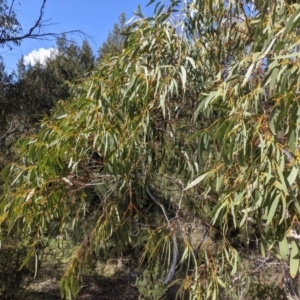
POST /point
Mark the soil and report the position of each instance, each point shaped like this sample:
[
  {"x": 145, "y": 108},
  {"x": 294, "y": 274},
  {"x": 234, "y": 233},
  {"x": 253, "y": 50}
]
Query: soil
[
  {"x": 117, "y": 288},
  {"x": 117, "y": 282},
  {"x": 110, "y": 289}
]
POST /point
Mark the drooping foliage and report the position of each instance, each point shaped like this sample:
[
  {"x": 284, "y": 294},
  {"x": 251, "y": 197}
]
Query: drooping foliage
[{"x": 206, "y": 112}]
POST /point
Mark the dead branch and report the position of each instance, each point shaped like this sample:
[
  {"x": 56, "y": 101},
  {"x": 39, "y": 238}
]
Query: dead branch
[
  {"x": 10, "y": 130},
  {"x": 35, "y": 31}
]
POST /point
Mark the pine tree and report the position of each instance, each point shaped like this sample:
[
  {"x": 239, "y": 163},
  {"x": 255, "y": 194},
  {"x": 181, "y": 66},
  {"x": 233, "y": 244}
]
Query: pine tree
[{"x": 115, "y": 39}]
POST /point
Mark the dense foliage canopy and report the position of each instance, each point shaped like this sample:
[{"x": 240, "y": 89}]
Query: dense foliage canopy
[{"x": 196, "y": 119}]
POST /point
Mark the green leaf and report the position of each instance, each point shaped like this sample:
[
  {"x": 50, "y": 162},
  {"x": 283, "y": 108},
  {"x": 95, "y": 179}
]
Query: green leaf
[
  {"x": 235, "y": 264},
  {"x": 293, "y": 175},
  {"x": 221, "y": 282},
  {"x": 60, "y": 116},
  {"x": 283, "y": 213},
  {"x": 218, "y": 209},
  {"x": 219, "y": 182},
  {"x": 183, "y": 76},
  {"x": 233, "y": 214},
  {"x": 284, "y": 249},
  {"x": 197, "y": 180},
  {"x": 273, "y": 120},
  {"x": 191, "y": 61},
  {"x": 29, "y": 256},
  {"x": 150, "y": 2},
  {"x": 294, "y": 259},
  {"x": 292, "y": 140},
  {"x": 238, "y": 198},
  {"x": 282, "y": 186},
  {"x": 293, "y": 21},
  {"x": 255, "y": 56},
  {"x": 18, "y": 177},
  {"x": 273, "y": 209},
  {"x": 248, "y": 74}
]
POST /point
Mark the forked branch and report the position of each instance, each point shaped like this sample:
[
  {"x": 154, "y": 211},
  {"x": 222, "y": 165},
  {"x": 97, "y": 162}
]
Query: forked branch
[
  {"x": 172, "y": 268},
  {"x": 9, "y": 35}
]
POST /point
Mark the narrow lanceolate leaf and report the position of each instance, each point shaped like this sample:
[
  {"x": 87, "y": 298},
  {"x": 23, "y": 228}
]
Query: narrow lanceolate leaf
[
  {"x": 197, "y": 180},
  {"x": 273, "y": 209},
  {"x": 284, "y": 249},
  {"x": 235, "y": 264},
  {"x": 294, "y": 259},
  {"x": 191, "y": 61},
  {"x": 283, "y": 208},
  {"x": 273, "y": 120},
  {"x": 221, "y": 282},
  {"x": 183, "y": 76},
  {"x": 282, "y": 186},
  {"x": 61, "y": 116},
  {"x": 294, "y": 19},
  {"x": 294, "y": 54},
  {"x": 248, "y": 74},
  {"x": 293, "y": 175}
]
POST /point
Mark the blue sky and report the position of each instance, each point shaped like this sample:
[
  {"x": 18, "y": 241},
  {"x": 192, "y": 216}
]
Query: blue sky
[{"x": 94, "y": 17}]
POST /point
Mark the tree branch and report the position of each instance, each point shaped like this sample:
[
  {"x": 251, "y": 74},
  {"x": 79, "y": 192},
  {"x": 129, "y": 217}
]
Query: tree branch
[
  {"x": 10, "y": 130},
  {"x": 172, "y": 268},
  {"x": 39, "y": 23}
]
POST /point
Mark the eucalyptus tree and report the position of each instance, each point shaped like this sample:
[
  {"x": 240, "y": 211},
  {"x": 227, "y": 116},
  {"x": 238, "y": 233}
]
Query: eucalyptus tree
[{"x": 196, "y": 120}]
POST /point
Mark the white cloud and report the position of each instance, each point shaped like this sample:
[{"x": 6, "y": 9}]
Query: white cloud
[{"x": 40, "y": 55}]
